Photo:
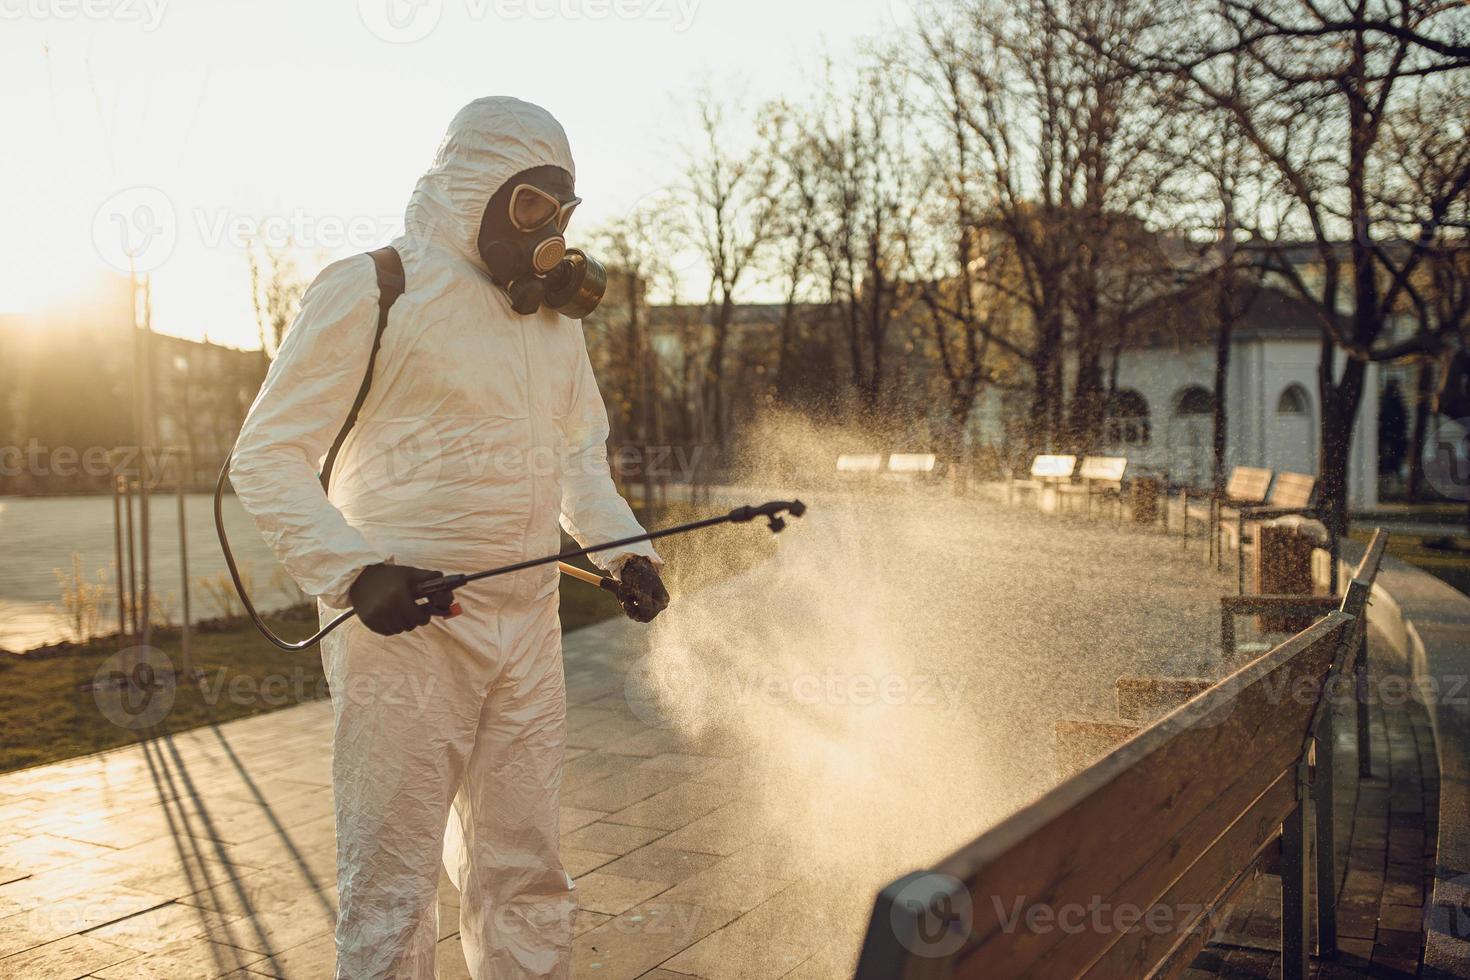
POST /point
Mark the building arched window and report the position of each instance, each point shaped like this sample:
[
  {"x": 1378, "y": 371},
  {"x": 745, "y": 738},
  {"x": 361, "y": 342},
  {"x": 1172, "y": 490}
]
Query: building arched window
[
  {"x": 1195, "y": 400},
  {"x": 1294, "y": 400},
  {"x": 1127, "y": 422}
]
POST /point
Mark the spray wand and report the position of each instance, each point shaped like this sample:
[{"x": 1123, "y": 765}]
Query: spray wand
[{"x": 771, "y": 511}]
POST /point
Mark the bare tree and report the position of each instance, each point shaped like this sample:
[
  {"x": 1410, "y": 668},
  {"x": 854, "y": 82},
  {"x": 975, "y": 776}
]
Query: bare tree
[
  {"x": 1324, "y": 77},
  {"x": 730, "y": 206},
  {"x": 276, "y": 287}
]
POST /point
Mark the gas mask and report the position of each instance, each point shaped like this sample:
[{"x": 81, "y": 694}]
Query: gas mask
[{"x": 523, "y": 243}]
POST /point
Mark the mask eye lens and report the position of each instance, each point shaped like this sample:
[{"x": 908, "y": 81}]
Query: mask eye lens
[
  {"x": 530, "y": 208},
  {"x": 564, "y": 215}
]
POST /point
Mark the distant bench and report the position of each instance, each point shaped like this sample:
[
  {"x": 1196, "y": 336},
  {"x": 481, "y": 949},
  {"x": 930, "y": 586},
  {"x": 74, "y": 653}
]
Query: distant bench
[
  {"x": 1158, "y": 834},
  {"x": 1100, "y": 476},
  {"x": 1047, "y": 470},
  {"x": 901, "y": 466},
  {"x": 1247, "y": 487}
]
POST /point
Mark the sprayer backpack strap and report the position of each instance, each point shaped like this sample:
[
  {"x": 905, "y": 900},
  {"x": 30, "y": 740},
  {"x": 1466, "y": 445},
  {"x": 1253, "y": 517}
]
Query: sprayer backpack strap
[{"x": 391, "y": 283}]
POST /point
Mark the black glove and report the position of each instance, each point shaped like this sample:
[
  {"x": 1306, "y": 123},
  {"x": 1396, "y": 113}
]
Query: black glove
[
  {"x": 641, "y": 591},
  {"x": 383, "y": 596}
]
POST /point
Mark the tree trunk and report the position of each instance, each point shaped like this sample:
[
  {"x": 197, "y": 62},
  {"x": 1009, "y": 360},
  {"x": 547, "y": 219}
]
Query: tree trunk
[
  {"x": 1224, "y": 323},
  {"x": 1339, "y": 407},
  {"x": 1423, "y": 395}
]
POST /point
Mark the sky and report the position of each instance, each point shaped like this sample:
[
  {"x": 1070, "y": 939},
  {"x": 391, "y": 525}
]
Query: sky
[{"x": 187, "y": 129}]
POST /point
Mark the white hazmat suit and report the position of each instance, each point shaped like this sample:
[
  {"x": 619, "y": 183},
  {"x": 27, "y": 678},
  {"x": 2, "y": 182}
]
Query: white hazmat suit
[{"x": 481, "y": 429}]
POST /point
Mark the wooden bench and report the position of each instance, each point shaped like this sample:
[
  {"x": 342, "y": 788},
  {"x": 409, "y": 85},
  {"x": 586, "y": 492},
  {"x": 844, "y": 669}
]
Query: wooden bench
[
  {"x": 1247, "y": 487},
  {"x": 1047, "y": 470},
  {"x": 1358, "y": 589},
  {"x": 1101, "y": 476},
  {"x": 1124, "y": 869},
  {"x": 860, "y": 464},
  {"x": 910, "y": 466},
  {"x": 1291, "y": 495},
  {"x": 1142, "y": 700}
]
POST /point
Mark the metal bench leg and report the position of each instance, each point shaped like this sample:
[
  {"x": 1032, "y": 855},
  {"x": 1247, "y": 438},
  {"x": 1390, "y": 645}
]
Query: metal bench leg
[
  {"x": 1240, "y": 554},
  {"x": 1323, "y": 817},
  {"x": 1360, "y": 685},
  {"x": 1294, "y": 900},
  {"x": 1227, "y": 635}
]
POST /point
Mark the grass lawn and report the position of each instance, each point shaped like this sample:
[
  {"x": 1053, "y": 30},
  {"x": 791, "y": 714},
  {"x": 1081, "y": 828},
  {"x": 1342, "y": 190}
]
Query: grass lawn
[
  {"x": 52, "y": 712},
  {"x": 1446, "y": 558}
]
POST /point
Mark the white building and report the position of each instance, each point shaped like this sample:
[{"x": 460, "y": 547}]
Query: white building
[{"x": 1161, "y": 418}]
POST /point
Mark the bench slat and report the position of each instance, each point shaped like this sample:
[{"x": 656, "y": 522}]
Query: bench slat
[
  {"x": 1215, "y": 875},
  {"x": 1083, "y": 838},
  {"x": 1292, "y": 490},
  {"x": 1248, "y": 484}
]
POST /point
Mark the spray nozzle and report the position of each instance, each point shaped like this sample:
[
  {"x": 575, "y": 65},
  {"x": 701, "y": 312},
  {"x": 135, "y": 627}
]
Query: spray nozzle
[{"x": 771, "y": 512}]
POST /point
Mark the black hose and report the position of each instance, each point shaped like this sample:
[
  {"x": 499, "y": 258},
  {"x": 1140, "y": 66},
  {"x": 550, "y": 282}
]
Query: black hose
[{"x": 772, "y": 511}]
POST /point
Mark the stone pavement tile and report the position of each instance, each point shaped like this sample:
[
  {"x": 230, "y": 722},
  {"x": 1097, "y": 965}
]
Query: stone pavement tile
[
  {"x": 676, "y": 806},
  {"x": 779, "y": 935},
  {"x": 785, "y": 862},
  {"x": 618, "y": 792},
  {"x": 642, "y": 938},
  {"x": 592, "y": 767},
  {"x": 579, "y": 862},
  {"x": 601, "y": 734},
  {"x": 64, "y": 959},
  {"x": 165, "y": 926},
  {"x": 722, "y": 888},
  {"x": 729, "y": 829},
  {"x": 662, "y": 974},
  {"x": 311, "y": 844},
  {"x": 739, "y": 954},
  {"x": 610, "y": 838},
  {"x": 692, "y": 765},
  {"x": 1401, "y": 918},
  {"x": 261, "y": 891},
  {"x": 281, "y": 929},
  {"x": 175, "y": 878},
  {"x": 449, "y": 961},
  {"x": 826, "y": 965},
  {"x": 448, "y": 891},
  {"x": 186, "y": 960},
  {"x": 649, "y": 743},
  {"x": 119, "y": 828},
  {"x": 64, "y": 917},
  {"x": 448, "y": 921},
  {"x": 580, "y": 716},
  {"x": 587, "y": 920},
  {"x": 658, "y": 863},
  {"x": 86, "y": 878},
  {"x": 236, "y": 821},
  {"x": 614, "y": 894},
  {"x": 573, "y": 818},
  {"x": 311, "y": 960},
  {"x": 43, "y": 852}
]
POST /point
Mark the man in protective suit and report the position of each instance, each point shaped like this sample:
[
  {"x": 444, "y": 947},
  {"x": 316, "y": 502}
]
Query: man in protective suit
[{"x": 482, "y": 425}]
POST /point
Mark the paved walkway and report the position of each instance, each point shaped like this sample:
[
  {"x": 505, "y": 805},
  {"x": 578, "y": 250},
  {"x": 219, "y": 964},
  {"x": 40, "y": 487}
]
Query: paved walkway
[
  {"x": 1385, "y": 854},
  {"x": 745, "y": 849}
]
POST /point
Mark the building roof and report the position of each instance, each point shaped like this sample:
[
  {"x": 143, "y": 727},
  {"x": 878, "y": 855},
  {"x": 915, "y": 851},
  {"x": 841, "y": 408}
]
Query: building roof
[{"x": 1186, "y": 318}]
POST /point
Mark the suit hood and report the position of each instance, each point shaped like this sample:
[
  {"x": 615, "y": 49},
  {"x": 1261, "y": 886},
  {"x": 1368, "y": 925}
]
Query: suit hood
[{"x": 488, "y": 142}]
